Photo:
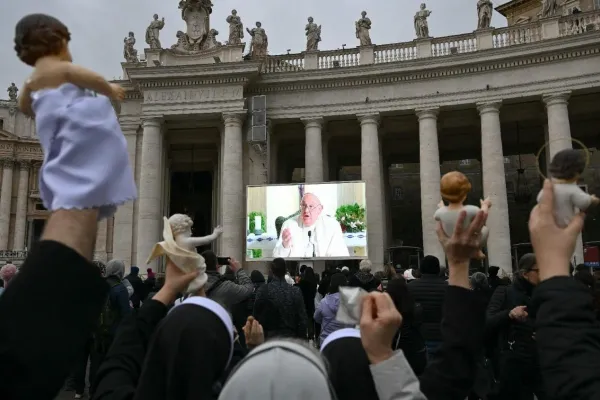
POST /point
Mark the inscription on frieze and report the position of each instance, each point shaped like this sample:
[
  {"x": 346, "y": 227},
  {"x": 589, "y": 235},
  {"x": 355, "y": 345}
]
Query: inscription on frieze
[{"x": 192, "y": 95}]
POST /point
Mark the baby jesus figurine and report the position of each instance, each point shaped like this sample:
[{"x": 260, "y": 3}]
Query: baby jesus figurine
[
  {"x": 180, "y": 247},
  {"x": 86, "y": 163},
  {"x": 454, "y": 187},
  {"x": 564, "y": 170}
]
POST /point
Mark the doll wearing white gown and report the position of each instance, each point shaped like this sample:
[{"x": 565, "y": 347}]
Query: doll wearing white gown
[{"x": 180, "y": 247}]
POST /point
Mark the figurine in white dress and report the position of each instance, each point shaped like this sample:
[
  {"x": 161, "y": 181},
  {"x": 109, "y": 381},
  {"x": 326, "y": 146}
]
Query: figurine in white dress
[
  {"x": 454, "y": 187},
  {"x": 180, "y": 247},
  {"x": 564, "y": 170}
]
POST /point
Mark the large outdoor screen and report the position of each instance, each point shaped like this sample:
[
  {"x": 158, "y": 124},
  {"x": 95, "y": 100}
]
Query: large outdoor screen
[{"x": 306, "y": 221}]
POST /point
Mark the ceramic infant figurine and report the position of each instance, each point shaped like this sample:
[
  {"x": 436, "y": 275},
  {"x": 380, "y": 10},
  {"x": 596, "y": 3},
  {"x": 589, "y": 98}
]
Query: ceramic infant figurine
[
  {"x": 454, "y": 187},
  {"x": 564, "y": 170},
  {"x": 86, "y": 164},
  {"x": 180, "y": 247}
]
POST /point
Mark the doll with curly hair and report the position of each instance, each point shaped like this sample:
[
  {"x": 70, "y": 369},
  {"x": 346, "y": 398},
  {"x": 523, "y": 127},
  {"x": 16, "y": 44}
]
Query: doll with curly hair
[
  {"x": 86, "y": 164},
  {"x": 454, "y": 187}
]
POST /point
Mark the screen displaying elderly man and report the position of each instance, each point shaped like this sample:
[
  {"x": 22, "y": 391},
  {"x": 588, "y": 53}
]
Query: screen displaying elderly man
[{"x": 311, "y": 234}]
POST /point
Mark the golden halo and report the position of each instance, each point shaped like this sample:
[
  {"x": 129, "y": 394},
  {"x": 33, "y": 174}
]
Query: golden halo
[{"x": 573, "y": 140}]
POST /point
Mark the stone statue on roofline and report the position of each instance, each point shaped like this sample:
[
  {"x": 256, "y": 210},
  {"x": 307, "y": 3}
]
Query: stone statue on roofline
[
  {"x": 153, "y": 32},
  {"x": 420, "y": 21},
  {"x": 13, "y": 92},
  {"x": 236, "y": 28},
  {"x": 363, "y": 26},
  {"x": 313, "y": 35},
  {"x": 485, "y": 8}
]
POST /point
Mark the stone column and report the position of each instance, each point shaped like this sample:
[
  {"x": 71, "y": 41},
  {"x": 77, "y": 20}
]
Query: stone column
[
  {"x": 429, "y": 170},
  {"x": 370, "y": 167},
  {"x": 123, "y": 223},
  {"x": 100, "y": 249},
  {"x": 313, "y": 151},
  {"x": 22, "y": 196},
  {"x": 149, "y": 226},
  {"x": 5, "y": 202},
  {"x": 559, "y": 138},
  {"x": 494, "y": 186},
  {"x": 232, "y": 200}
]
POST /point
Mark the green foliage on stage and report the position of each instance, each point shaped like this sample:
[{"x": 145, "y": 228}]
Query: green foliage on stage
[{"x": 351, "y": 217}]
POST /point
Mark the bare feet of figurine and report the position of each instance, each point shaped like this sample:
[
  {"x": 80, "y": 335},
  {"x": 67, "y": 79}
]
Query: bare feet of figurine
[{"x": 486, "y": 204}]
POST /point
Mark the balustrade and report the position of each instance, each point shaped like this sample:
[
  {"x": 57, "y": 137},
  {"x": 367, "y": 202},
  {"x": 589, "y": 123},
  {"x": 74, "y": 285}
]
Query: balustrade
[{"x": 440, "y": 46}]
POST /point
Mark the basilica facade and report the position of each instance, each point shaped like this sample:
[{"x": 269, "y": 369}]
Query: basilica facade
[{"x": 397, "y": 116}]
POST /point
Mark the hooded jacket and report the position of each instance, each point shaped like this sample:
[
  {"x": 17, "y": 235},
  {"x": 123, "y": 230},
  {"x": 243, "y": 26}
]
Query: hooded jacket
[{"x": 325, "y": 315}]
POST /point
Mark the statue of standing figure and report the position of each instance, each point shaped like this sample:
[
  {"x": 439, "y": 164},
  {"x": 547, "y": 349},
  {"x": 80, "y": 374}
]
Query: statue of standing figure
[
  {"x": 129, "y": 52},
  {"x": 549, "y": 8},
  {"x": 236, "y": 28},
  {"x": 13, "y": 92},
  {"x": 420, "y": 20},
  {"x": 363, "y": 26},
  {"x": 153, "y": 32},
  {"x": 313, "y": 35},
  {"x": 485, "y": 9},
  {"x": 260, "y": 41}
]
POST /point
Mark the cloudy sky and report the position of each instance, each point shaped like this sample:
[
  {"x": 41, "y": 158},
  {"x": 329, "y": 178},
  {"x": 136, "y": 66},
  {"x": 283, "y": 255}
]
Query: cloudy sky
[{"x": 99, "y": 26}]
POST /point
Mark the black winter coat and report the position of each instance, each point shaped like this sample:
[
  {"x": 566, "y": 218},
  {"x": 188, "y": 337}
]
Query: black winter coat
[{"x": 429, "y": 291}]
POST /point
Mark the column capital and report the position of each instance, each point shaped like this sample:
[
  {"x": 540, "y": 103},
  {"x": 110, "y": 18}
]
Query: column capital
[
  {"x": 154, "y": 122},
  {"x": 489, "y": 106},
  {"x": 7, "y": 162},
  {"x": 556, "y": 98},
  {"x": 427, "y": 113},
  {"x": 24, "y": 165},
  {"x": 313, "y": 122},
  {"x": 235, "y": 118},
  {"x": 370, "y": 118}
]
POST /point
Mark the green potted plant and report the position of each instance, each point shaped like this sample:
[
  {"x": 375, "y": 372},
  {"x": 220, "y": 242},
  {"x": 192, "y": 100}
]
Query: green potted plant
[{"x": 351, "y": 217}]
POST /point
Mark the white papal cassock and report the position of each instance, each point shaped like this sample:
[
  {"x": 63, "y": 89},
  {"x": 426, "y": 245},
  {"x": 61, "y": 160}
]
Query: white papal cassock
[{"x": 323, "y": 239}]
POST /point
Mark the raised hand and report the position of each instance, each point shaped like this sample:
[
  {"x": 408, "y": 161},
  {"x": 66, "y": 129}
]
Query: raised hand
[
  {"x": 286, "y": 238},
  {"x": 464, "y": 244},
  {"x": 218, "y": 230},
  {"x": 253, "y": 331},
  {"x": 486, "y": 204},
  {"x": 379, "y": 322}
]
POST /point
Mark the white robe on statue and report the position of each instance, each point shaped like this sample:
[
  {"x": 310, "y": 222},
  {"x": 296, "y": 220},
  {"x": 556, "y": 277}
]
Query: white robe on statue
[{"x": 325, "y": 240}]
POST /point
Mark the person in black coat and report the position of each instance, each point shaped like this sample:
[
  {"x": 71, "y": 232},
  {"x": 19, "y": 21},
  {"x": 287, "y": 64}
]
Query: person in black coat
[
  {"x": 509, "y": 320},
  {"x": 429, "y": 292},
  {"x": 139, "y": 289},
  {"x": 308, "y": 287}
]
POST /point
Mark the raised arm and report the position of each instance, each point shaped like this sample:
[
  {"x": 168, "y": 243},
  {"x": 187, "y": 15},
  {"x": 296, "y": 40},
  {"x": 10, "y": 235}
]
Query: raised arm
[
  {"x": 88, "y": 79},
  {"x": 201, "y": 241},
  {"x": 25, "y": 101}
]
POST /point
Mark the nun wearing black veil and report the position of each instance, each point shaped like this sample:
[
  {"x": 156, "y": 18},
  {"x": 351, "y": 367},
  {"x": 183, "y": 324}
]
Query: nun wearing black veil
[{"x": 180, "y": 354}]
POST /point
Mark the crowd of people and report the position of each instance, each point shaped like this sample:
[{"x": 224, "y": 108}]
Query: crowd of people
[{"x": 246, "y": 337}]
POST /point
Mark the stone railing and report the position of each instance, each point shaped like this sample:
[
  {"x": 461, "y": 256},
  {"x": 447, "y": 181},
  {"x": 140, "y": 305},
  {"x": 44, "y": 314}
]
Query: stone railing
[
  {"x": 485, "y": 39},
  {"x": 14, "y": 256},
  {"x": 518, "y": 34},
  {"x": 447, "y": 45}
]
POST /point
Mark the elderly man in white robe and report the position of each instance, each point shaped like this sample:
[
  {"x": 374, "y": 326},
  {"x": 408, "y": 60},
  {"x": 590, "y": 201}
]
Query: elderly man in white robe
[{"x": 312, "y": 234}]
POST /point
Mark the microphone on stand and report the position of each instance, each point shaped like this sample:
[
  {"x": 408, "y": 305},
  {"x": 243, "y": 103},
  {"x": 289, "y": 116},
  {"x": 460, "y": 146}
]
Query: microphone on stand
[{"x": 313, "y": 245}]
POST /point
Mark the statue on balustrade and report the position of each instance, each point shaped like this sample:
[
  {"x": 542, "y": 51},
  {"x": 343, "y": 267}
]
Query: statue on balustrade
[
  {"x": 236, "y": 28},
  {"x": 363, "y": 26},
  {"x": 313, "y": 35},
  {"x": 153, "y": 32},
  {"x": 485, "y": 8},
  {"x": 549, "y": 8},
  {"x": 196, "y": 14},
  {"x": 129, "y": 52},
  {"x": 211, "y": 40},
  {"x": 260, "y": 41},
  {"x": 420, "y": 21},
  {"x": 454, "y": 188},
  {"x": 13, "y": 91}
]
